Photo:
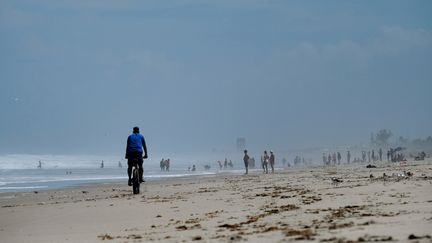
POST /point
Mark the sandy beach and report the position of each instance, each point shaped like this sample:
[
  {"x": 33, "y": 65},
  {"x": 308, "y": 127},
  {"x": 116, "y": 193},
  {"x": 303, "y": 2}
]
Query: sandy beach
[{"x": 290, "y": 205}]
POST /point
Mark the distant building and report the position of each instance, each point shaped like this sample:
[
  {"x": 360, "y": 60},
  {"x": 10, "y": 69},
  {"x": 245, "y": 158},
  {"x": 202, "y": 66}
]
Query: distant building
[{"x": 241, "y": 144}]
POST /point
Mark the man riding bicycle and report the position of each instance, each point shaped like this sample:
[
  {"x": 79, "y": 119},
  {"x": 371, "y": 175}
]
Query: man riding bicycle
[{"x": 134, "y": 153}]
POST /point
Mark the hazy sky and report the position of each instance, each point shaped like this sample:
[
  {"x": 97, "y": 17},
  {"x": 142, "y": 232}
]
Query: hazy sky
[{"x": 76, "y": 76}]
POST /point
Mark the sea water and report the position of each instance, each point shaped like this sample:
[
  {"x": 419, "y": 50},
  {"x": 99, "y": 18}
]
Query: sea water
[{"x": 21, "y": 172}]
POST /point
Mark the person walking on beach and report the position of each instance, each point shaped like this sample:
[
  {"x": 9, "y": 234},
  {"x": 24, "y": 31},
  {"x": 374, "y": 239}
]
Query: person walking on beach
[
  {"x": 246, "y": 161},
  {"x": 339, "y": 157},
  {"x": 264, "y": 162},
  {"x": 272, "y": 160},
  {"x": 348, "y": 157},
  {"x": 380, "y": 153},
  {"x": 134, "y": 152}
]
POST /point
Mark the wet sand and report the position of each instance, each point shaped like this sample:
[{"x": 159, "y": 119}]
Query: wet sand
[{"x": 290, "y": 205}]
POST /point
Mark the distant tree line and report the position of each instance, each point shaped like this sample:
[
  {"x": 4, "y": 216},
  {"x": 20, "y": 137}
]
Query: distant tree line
[{"x": 381, "y": 138}]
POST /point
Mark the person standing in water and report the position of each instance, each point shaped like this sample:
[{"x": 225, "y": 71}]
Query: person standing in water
[
  {"x": 272, "y": 160},
  {"x": 246, "y": 161}
]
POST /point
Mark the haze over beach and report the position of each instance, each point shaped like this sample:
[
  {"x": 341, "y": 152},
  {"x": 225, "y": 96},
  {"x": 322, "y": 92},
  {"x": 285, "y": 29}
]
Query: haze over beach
[{"x": 338, "y": 91}]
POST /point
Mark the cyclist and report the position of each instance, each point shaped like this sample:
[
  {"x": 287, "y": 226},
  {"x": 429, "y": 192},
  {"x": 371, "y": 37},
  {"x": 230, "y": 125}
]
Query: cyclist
[{"x": 134, "y": 153}]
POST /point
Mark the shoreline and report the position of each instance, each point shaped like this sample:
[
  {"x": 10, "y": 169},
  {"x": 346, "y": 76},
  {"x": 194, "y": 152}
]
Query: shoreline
[{"x": 290, "y": 205}]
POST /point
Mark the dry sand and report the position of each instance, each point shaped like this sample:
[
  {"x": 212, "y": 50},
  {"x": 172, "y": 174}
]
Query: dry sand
[{"x": 291, "y": 205}]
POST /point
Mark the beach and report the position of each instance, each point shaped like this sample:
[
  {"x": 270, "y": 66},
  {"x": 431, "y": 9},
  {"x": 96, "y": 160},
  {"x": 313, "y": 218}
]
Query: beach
[{"x": 299, "y": 204}]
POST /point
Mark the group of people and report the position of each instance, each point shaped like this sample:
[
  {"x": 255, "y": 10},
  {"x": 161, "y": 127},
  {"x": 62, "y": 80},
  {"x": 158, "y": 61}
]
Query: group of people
[
  {"x": 299, "y": 160},
  {"x": 266, "y": 160},
  {"x": 393, "y": 155},
  {"x": 193, "y": 168},
  {"x": 333, "y": 158},
  {"x": 226, "y": 164},
  {"x": 165, "y": 164}
]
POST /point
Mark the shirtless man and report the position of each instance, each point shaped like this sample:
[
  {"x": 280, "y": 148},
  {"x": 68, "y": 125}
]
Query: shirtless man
[{"x": 272, "y": 160}]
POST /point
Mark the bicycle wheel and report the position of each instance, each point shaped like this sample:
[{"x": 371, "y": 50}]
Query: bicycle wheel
[{"x": 135, "y": 181}]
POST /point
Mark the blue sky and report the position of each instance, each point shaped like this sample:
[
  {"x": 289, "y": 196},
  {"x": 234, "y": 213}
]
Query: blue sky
[{"x": 76, "y": 76}]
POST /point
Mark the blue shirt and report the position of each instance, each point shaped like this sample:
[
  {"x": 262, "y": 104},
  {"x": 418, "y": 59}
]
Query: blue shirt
[{"x": 135, "y": 143}]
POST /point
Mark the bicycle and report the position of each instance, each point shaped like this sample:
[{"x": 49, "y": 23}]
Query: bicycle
[{"x": 135, "y": 178}]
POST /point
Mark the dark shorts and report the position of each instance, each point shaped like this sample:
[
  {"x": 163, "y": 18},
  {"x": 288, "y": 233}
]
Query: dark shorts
[{"x": 135, "y": 158}]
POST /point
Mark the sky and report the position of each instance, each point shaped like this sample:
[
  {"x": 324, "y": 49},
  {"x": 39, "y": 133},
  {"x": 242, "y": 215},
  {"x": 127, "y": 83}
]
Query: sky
[{"x": 76, "y": 76}]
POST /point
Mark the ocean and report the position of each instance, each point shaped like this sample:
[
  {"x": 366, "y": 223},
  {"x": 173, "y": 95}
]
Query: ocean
[{"x": 21, "y": 172}]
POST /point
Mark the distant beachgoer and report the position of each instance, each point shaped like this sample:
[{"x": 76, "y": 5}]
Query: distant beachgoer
[
  {"x": 120, "y": 165},
  {"x": 380, "y": 153},
  {"x": 265, "y": 160},
  {"x": 246, "y": 161},
  {"x": 369, "y": 156},
  {"x": 167, "y": 164},
  {"x": 102, "y": 164},
  {"x": 135, "y": 148},
  {"x": 324, "y": 158},
  {"x": 40, "y": 165},
  {"x": 162, "y": 164},
  {"x": 348, "y": 157},
  {"x": 373, "y": 155},
  {"x": 252, "y": 163},
  {"x": 272, "y": 160},
  {"x": 339, "y": 157},
  {"x": 284, "y": 161},
  {"x": 225, "y": 163},
  {"x": 334, "y": 158},
  {"x": 220, "y": 165},
  {"x": 193, "y": 168},
  {"x": 230, "y": 164},
  {"x": 388, "y": 155},
  {"x": 329, "y": 159},
  {"x": 363, "y": 156}
]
